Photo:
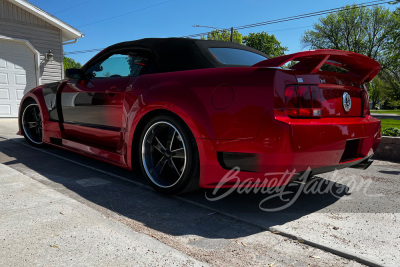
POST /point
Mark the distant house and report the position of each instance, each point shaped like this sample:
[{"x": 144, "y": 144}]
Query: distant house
[{"x": 31, "y": 51}]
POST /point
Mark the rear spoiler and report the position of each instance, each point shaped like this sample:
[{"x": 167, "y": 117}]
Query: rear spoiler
[{"x": 361, "y": 67}]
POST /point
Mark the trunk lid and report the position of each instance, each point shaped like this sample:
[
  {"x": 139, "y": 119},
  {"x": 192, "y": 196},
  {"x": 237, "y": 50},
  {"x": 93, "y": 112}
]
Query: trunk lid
[{"x": 333, "y": 89}]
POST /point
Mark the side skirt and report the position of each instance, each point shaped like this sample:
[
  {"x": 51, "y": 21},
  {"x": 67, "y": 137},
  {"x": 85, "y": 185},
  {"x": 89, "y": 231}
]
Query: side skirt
[{"x": 93, "y": 152}]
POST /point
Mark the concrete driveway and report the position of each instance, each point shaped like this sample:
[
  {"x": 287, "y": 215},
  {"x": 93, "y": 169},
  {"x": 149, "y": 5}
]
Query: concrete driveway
[{"x": 343, "y": 216}]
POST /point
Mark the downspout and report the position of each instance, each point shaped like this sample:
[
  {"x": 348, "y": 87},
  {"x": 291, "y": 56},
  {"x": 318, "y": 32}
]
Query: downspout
[{"x": 71, "y": 42}]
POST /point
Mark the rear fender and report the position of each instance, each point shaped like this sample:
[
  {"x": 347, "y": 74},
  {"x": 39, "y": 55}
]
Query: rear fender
[{"x": 170, "y": 97}]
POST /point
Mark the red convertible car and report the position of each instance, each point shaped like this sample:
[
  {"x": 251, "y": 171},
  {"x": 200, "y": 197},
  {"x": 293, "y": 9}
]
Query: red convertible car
[{"x": 188, "y": 111}]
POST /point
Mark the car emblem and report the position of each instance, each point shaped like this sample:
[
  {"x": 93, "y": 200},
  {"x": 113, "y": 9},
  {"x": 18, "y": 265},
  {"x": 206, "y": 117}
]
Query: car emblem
[{"x": 346, "y": 102}]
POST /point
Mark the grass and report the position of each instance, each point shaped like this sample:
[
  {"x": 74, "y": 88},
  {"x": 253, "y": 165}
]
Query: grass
[
  {"x": 394, "y": 111},
  {"x": 389, "y": 123}
]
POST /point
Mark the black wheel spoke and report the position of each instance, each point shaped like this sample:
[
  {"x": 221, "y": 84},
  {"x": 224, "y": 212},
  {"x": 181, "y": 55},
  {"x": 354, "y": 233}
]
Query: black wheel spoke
[
  {"x": 179, "y": 153},
  {"x": 159, "y": 146},
  {"x": 31, "y": 124},
  {"x": 160, "y": 165},
  {"x": 171, "y": 138},
  {"x": 35, "y": 114},
  {"x": 171, "y": 162}
]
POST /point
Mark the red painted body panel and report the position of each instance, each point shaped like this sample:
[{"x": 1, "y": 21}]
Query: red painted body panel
[
  {"x": 237, "y": 109},
  {"x": 292, "y": 145}
]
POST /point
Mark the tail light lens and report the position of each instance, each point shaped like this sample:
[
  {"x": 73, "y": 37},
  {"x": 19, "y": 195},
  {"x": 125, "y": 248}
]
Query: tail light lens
[
  {"x": 303, "y": 101},
  {"x": 365, "y": 97}
]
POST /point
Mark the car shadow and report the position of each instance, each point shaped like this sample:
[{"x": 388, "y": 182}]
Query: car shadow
[
  {"x": 390, "y": 172},
  {"x": 95, "y": 184}
]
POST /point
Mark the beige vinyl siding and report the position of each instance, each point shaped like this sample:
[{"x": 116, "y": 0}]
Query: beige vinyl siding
[{"x": 18, "y": 23}]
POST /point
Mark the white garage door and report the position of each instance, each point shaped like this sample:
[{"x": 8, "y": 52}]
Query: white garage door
[{"x": 17, "y": 74}]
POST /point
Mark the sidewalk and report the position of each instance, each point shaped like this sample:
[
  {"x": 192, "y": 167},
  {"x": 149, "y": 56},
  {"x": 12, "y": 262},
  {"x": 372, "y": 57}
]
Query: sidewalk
[{"x": 39, "y": 226}]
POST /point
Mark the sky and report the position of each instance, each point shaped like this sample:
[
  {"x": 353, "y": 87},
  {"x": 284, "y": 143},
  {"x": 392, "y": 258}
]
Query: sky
[{"x": 105, "y": 22}]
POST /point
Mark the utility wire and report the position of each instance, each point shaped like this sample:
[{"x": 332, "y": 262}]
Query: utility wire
[
  {"x": 297, "y": 17},
  {"x": 313, "y": 14},
  {"x": 68, "y": 8},
  {"x": 84, "y": 51}
]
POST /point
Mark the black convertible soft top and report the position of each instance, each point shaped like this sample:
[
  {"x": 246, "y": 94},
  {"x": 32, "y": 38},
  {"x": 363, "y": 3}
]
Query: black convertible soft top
[{"x": 176, "y": 54}]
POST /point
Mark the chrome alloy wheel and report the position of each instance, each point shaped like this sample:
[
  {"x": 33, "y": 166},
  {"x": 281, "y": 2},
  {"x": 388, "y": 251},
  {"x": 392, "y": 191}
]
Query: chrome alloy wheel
[
  {"x": 164, "y": 154},
  {"x": 32, "y": 123}
]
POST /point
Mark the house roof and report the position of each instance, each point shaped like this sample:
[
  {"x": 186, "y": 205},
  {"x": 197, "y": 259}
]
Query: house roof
[{"x": 68, "y": 32}]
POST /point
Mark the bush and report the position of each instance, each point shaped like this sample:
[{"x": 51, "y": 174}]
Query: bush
[{"x": 393, "y": 131}]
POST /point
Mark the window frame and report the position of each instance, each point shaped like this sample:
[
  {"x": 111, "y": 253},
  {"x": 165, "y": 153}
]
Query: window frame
[
  {"x": 233, "y": 48},
  {"x": 101, "y": 57}
]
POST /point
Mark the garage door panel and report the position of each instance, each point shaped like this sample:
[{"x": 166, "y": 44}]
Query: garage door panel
[
  {"x": 18, "y": 67},
  {"x": 4, "y": 94},
  {"x": 3, "y": 64},
  {"x": 20, "y": 94},
  {"x": 22, "y": 63},
  {"x": 5, "y": 110},
  {"x": 4, "y": 78},
  {"x": 20, "y": 79}
]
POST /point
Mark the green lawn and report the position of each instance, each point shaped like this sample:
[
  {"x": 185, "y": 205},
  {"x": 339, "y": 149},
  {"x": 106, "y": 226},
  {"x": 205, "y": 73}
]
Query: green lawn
[
  {"x": 388, "y": 123},
  {"x": 397, "y": 111}
]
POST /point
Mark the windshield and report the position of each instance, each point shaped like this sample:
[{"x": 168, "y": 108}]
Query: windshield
[{"x": 233, "y": 56}]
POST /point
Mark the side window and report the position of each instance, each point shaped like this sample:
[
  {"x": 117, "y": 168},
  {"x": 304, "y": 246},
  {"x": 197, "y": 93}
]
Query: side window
[{"x": 118, "y": 65}]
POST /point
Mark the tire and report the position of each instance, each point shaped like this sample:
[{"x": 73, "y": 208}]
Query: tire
[
  {"x": 168, "y": 156},
  {"x": 31, "y": 123}
]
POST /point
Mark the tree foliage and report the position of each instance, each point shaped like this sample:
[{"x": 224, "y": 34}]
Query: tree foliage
[
  {"x": 70, "y": 63},
  {"x": 363, "y": 30},
  {"x": 373, "y": 32},
  {"x": 385, "y": 91},
  {"x": 266, "y": 43},
  {"x": 261, "y": 41},
  {"x": 224, "y": 35}
]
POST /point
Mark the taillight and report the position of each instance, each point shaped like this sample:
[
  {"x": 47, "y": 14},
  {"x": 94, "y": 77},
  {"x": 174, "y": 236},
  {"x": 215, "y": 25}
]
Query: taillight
[
  {"x": 292, "y": 101},
  {"x": 303, "y": 101},
  {"x": 365, "y": 97}
]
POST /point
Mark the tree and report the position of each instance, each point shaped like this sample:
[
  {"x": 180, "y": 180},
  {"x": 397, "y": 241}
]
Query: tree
[
  {"x": 266, "y": 43},
  {"x": 261, "y": 41},
  {"x": 372, "y": 31},
  {"x": 396, "y": 2},
  {"x": 69, "y": 63},
  {"x": 224, "y": 35},
  {"x": 362, "y": 30}
]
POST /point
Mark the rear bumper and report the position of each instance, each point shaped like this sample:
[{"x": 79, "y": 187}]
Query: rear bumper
[{"x": 285, "y": 148}]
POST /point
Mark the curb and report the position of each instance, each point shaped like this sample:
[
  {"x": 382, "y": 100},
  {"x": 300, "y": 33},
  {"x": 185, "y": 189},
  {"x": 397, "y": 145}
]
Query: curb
[
  {"x": 388, "y": 149},
  {"x": 275, "y": 230}
]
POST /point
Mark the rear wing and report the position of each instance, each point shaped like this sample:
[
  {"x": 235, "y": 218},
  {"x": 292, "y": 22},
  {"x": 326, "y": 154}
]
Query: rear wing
[{"x": 357, "y": 65}]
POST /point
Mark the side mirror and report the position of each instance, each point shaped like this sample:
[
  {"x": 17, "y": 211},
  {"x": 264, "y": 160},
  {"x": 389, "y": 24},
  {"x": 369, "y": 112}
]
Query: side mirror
[{"x": 74, "y": 74}]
